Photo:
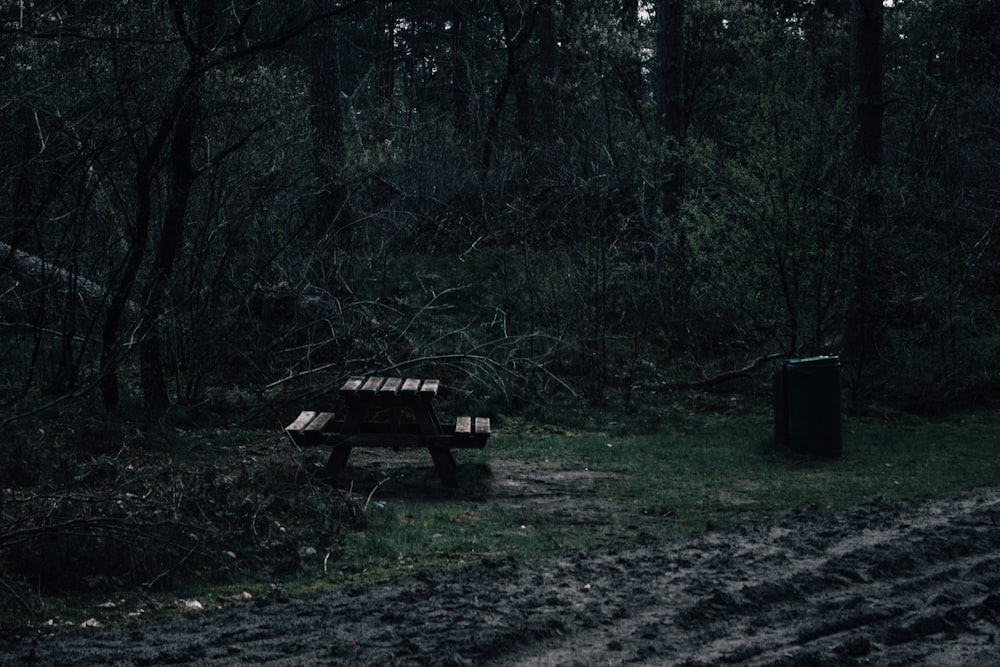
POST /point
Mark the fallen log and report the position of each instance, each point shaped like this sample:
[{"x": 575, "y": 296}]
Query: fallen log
[
  {"x": 38, "y": 273},
  {"x": 733, "y": 374},
  {"x": 720, "y": 378}
]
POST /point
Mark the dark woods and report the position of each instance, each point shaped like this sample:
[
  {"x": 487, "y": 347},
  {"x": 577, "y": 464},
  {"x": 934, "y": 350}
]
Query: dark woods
[{"x": 204, "y": 202}]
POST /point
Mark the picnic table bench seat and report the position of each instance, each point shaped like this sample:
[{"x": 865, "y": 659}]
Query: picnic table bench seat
[
  {"x": 312, "y": 428},
  {"x": 388, "y": 399}
]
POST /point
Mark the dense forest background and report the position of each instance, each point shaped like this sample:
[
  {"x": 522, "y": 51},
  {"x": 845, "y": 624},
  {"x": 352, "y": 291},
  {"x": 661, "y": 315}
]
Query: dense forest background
[{"x": 208, "y": 203}]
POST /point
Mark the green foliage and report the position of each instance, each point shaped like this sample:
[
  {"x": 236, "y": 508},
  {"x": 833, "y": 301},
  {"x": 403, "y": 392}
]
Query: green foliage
[
  {"x": 768, "y": 217},
  {"x": 553, "y": 266}
]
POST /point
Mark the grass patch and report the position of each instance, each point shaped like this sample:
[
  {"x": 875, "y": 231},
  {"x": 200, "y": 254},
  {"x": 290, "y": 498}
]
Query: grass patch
[
  {"x": 683, "y": 473},
  {"x": 717, "y": 466},
  {"x": 708, "y": 470}
]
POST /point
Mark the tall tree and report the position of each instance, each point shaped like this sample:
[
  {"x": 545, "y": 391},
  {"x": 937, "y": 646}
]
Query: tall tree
[
  {"x": 163, "y": 146},
  {"x": 517, "y": 26},
  {"x": 461, "y": 86},
  {"x": 668, "y": 89},
  {"x": 148, "y": 164},
  {"x": 866, "y": 24},
  {"x": 548, "y": 51},
  {"x": 867, "y": 72},
  {"x": 331, "y": 201},
  {"x": 632, "y": 61},
  {"x": 198, "y": 31},
  {"x": 384, "y": 48}
]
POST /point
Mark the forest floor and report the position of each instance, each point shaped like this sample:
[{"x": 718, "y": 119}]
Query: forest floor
[{"x": 914, "y": 582}]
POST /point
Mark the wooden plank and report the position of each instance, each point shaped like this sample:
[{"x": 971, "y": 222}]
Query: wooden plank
[
  {"x": 311, "y": 428},
  {"x": 410, "y": 386},
  {"x": 464, "y": 436},
  {"x": 429, "y": 388},
  {"x": 390, "y": 387},
  {"x": 352, "y": 385},
  {"x": 320, "y": 423},
  {"x": 371, "y": 385},
  {"x": 301, "y": 421}
]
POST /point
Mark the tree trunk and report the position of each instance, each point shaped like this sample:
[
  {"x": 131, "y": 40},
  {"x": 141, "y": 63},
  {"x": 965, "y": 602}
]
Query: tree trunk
[
  {"x": 669, "y": 91},
  {"x": 111, "y": 348},
  {"x": 155, "y": 301},
  {"x": 39, "y": 274},
  {"x": 867, "y": 23},
  {"x": 331, "y": 199},
  {"x": 461, "y": 84},
  {"x": 177, "y": 127},
  {"x": 385, "y": 62},
  {"x": 517, "y": 30},
  {"x": 548, "y": 51},
  {"x": 866, "y": 20},
  {"x": 524, "y": 106},
  {"x": 632, "y": 65}
]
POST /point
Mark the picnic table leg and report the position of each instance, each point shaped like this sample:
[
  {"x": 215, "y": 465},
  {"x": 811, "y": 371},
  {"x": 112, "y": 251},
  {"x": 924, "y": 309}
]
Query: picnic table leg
[
  {"x": 427, "y": 420},
  {"x": 338, "y": 459},
  {"x": 445, "y": 464}
]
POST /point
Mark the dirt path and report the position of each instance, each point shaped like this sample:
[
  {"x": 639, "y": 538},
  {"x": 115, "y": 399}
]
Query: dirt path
[{"x": 908, "y": 584}]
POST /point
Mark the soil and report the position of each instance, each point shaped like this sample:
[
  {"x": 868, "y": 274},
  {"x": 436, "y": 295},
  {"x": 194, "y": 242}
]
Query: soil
[{"x": 913, "y": 583}]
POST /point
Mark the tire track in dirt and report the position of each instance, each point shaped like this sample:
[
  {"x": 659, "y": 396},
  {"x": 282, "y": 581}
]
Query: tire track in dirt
[
  {"x": 874, "y": 585},
  {"x": 905, "y": 583}
]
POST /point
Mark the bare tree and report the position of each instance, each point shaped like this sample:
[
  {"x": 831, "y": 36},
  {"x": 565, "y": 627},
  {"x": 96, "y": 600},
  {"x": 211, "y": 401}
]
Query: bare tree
[
  {"x": 668, "y": 88},
  {"x": 331, "y": 204},
  {"x": 866, "y": 24}
]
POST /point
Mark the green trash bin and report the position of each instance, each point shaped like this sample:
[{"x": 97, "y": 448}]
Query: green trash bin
[{"x": 807, "y": 406}]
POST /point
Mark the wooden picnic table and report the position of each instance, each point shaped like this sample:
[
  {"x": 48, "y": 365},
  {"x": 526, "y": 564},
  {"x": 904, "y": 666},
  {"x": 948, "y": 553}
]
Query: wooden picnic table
[{"x": 389, "y": 412}]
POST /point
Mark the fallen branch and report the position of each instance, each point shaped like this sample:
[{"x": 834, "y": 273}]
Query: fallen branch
[
  {"x": 722, "y": 377},
  {"x": 39, "y": 273}
]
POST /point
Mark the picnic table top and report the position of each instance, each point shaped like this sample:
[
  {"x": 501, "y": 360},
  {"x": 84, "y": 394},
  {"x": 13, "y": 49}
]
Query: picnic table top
[{"x": 388, "y": 389}]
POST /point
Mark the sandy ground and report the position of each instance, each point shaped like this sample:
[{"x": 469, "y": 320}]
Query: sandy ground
[{"x": 914, "y": 583}]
